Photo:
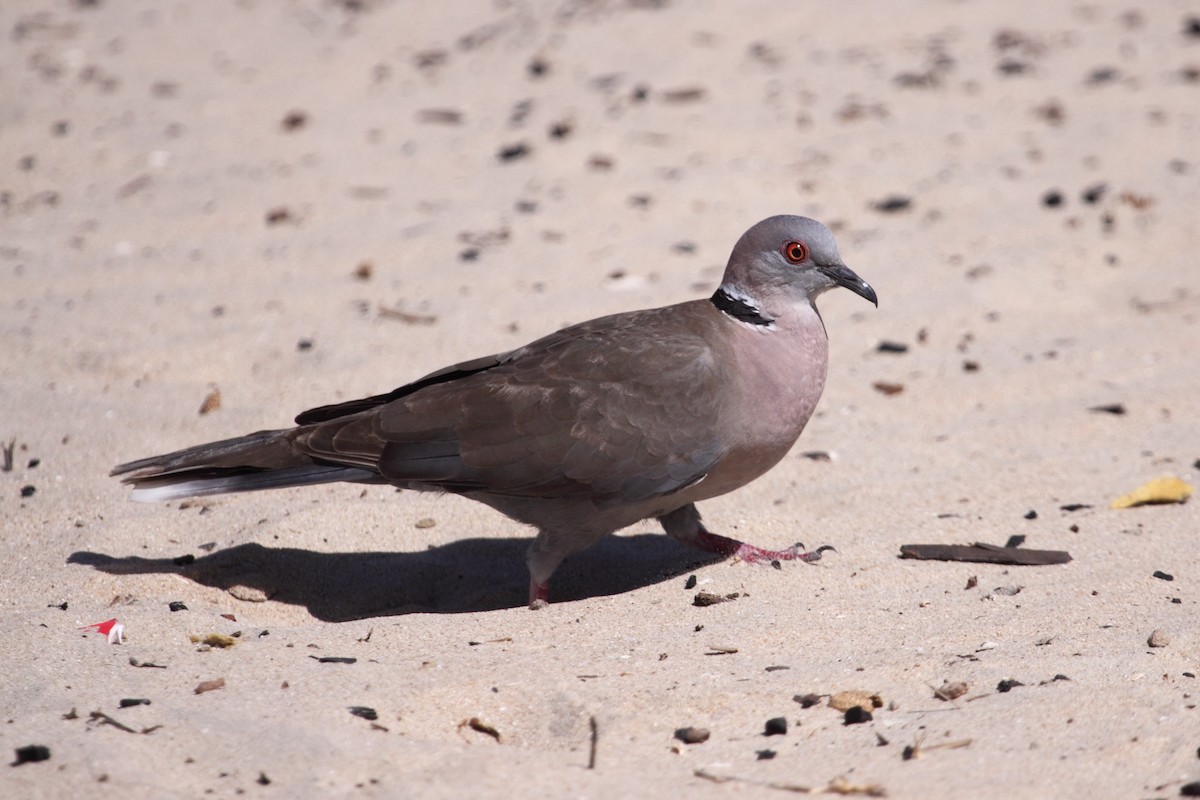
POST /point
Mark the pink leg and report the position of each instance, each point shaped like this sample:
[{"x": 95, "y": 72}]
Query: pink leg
[
  {"x": 539, "y": 595},
  {"x": 684, "y": 525}
]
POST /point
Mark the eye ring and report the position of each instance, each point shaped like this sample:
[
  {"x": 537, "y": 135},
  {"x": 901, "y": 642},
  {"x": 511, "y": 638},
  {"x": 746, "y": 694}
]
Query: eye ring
[{"x": 795, "y": 251}]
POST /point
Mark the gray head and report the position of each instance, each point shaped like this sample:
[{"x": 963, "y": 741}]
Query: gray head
[{"x": 792, "y": 258}]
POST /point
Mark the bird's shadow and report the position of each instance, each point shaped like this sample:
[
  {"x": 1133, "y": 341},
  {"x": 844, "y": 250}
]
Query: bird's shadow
[{"x": 463, "y": 576}]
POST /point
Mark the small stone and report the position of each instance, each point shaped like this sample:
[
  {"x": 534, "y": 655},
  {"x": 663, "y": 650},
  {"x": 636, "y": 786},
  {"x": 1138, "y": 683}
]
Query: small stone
[
  {"x": 31, "y": 753},
  {"x": 691, "y": 735},
  {"x": 177, "y": 605},
  {"x": 764, "y": 755},
  {"x": 856, "y": 715},
  {"x": 707, "y": 599},
  {"x": 950, "y": 691},
  {"x": 776, "y": 726},
  {"x": 366, "y": 712},
  {"x": 1158, "y": 638},
  {"x": 1163, "y": 576},
  {"x": 690, "y": 583},
  {"x": 1031, "y": 514},
  {"x": 1052, "y": 199},
  {"x": 426, "y": 522},
  {"x": 1007, "y": 685}
]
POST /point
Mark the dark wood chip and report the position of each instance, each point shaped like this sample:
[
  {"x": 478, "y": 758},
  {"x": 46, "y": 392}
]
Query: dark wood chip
[
  {"x": 986, "y": 553},
  {"x": 366, "y": 712}
]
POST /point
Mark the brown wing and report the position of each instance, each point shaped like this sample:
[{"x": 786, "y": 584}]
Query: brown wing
[{"x": 620, "y": 409}]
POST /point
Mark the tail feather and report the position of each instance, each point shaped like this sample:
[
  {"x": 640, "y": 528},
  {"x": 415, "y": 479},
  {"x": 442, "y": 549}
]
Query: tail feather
[{"x": 262, "y": 460}]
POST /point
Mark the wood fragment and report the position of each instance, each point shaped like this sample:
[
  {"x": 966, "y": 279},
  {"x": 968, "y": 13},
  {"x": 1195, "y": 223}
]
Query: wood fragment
[
  {"x": 595, "y": 729},
  {"x": 406, "y": 317},
  {"x": 985, "y": 553},
  {"x": 478, "y": 725},
  {"x": 208, "y": 686}
]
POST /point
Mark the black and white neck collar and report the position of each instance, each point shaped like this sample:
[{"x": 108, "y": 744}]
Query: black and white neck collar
[{"x": 740, "y": 307}]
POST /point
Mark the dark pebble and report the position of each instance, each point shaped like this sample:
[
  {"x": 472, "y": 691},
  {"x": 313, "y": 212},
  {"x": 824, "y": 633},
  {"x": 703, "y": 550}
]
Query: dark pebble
[
  {"x": 1116, "y": 409},
  {"x": 1093, "y": 194},
  {"x": 304, "y": 344},
  {"x": 887, "y": 346},
  {"x": 807, "y": 700},
  {"x": 470, "y": 254},
  {"x": 263, "y": 780},
  {"x": 366, "y": 712},
  {"x": 1191, "y": 26},
  {"x": 126, "y": 702},
  {"x": 1074, "y": 507},
  {"x": 691, "y": 583},
  {"x": 703, "y": 599},
  {"x": 1019, "y": 539},
  {"x": 1007, "y": 685},
  {"x": 177, "y": 605},
  {"x": 692, "y": 735},
  {"x": 776, "y": 726},
  {"x": 1163, "y": 576},
  {"x": 27, "y": 491},
  {"x": 1031, "y": 514},
  {"x": 511, "y": 152},
  {"x": 336, "y": 660},
  {"x": 538, "y": 67},
  {"x": 892, "y": 204},
  {"x": 856, "y": 715},
  {"x": 765, "y": 755},
  {"x": 1190, "y": 789},
  {"x": 31, "y": 753},
  {"x": 34, "y": 462},
  {"x": 1052, "y": 198}
]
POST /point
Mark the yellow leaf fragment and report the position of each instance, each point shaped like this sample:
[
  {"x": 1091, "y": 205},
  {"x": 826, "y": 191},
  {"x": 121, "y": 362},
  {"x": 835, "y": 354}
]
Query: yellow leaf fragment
[
  {"x": 1167, "y": 489},
  {"x": 844, "y": 701},
  {"x": 214, "y": 640}
]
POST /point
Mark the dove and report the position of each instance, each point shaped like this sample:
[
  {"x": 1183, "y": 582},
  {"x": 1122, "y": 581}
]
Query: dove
[{"x": 601, "y": 425}]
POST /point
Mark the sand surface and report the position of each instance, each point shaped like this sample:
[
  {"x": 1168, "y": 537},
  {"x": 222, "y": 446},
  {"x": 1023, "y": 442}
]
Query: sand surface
[{"x": 305, "y": 201}]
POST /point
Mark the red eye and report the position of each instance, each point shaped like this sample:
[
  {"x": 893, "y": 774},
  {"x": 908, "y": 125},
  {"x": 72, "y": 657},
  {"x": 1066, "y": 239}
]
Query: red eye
[{"x": 795, "y": 252}]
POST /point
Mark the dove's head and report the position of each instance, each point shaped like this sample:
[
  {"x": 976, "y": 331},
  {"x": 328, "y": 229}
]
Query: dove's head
[{"x": 788, "y": 258}]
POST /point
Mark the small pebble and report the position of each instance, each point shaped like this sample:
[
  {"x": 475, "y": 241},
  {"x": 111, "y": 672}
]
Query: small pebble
[
  {"x": 31, "y": 753},
  {"x": 177, "y": 605},
  {"x": 776, "y": 726},
  {"x": 1158, "y": 638},
  {"x": 765, "y": 755},
  {"x": 1163, "y": 576},
  {"x": 856, "y": 715},
  {"x": 366, "y": 712},
  {"x": 690, "y": 735},
  {"x": 1007, "y": 685}
]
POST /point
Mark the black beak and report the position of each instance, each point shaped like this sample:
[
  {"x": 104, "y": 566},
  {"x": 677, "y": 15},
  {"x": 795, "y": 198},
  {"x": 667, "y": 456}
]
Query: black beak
[{"x": 844, "y": 276}]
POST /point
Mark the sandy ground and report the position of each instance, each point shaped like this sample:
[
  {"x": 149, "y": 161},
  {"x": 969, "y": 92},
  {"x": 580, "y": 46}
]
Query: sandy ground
[{"x": 306, "y": 201}]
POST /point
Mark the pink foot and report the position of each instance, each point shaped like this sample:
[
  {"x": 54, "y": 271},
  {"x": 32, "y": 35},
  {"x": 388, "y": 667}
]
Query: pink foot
[
  {"x": 539, "y": 595},
  {"x": 755, "y": 555}
]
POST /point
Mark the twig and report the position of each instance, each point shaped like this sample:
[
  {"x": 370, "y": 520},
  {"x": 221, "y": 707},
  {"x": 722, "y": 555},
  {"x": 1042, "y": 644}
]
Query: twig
[{"x": 595, "y": 741}]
